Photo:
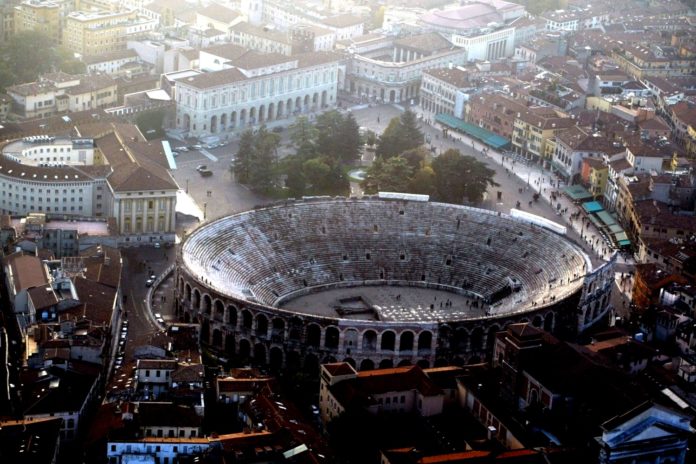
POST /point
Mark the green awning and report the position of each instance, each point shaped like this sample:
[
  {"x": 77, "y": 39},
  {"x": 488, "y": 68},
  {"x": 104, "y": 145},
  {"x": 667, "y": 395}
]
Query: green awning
[
  {"x": 624, "y": 243},
  {"x": 598, "y": 224},
  {"x": 592, "y": 206},
  {"x": 620, "y": 236},
  {"x": 606, "y": 218},
  {"x": 615, "y": 228},
  {"x": 487, "y": 137},
  {"x": 577, "y": 192}
]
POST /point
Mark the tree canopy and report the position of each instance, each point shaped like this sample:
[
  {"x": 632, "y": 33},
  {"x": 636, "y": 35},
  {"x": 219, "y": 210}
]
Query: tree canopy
[
  {"x": 451, "y": 177},
  {"x": 401, "y": 134},
  {"x": 256, "y": 161},
  {"x": 28, "y": 54}
]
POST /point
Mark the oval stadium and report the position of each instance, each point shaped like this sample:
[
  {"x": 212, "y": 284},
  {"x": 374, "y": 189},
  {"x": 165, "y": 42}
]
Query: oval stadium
[{"x": 378, "y": 283}]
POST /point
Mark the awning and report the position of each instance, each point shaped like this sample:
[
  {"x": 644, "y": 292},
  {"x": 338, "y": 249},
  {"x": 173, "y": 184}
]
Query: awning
[
  {"x": 615, "y": 228},
  {"x": 489, "y": 138},
  {"x": 577, "y": 192},
  {"x": 592, "y": 206},
  {"x": 606, "y": 218}
]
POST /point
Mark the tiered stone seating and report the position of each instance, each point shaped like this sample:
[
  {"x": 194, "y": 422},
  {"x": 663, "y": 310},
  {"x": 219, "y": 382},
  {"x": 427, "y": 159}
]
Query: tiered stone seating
[{"x": 272, "y": 252}]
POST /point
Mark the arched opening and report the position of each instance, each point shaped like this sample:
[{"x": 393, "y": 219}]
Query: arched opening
[
  {"x": 423, "y": 363},
  {"x": 281, "y": 109},
  {"x": 406, "y": 342},
  {"x": 247, "y": 319},
  {"x": 196, "y": 301},
  {"x": 271, "y": 114},
  {"x": 207, "y": 304},
  {"x": 350, "y": 361},
  {"x": 548, "y": 322},
  {"x": 187, "y": 317},
  {"x": 537, "y": 321},
  {"x": 369, "y": 341},
  {"x": 367, "y": 365},
  {"x": 294, "y": 361},
  {"x": 233, "y": 120},
  {"x": 219, "y": 311},
  {"x": 477, "y": 339},
  {"x": 232, "y": 315},
  {"x": 262, "y": 114},
  {"x": 186, "y": 123},
  {"x": 331, "y": 337},
  {"x": 244, "y": 351},
  {"x": 444, "y": 335},
  {"x": 278, "y": 330},
  {"x": 261, "y": 326},
  {"x": 386, "y": 364},
  {"x": 205, "y": 332},
  {"x": 392, "y": 96},
  {"x": 223, "y": 121},
  {"x": 306, "y": 102},
  {"x": 252, "y": 116},
  {"x": 425, "y": 341},
  {"x": 276, "y": 358},
  {"x": 311, "y": 365},
  {"x": 324, "y": 103},
  {"x": 260, "y": 354},
  {"x": 187, "y": 293},
  {"x": 404, "y": 362},
  {"x": 213, "y": 124},
  {"x": 313, "y": 335},
  {"x": 461, "y": 340},
  {"x": 229, "y": 344},
  {"x": 388, "y": 341},
  {"x": 350, "y": 340},
  {"x": 315, "y": 100},
  {"x": 217, "y": 338},
  {"x": 298, "y": 105},
  {"x": 242, "y": 118}
]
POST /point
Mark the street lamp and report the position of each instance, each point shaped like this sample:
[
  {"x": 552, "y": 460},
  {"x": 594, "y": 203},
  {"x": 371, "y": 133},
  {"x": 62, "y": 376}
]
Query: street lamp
[
  {"x": 205, "y": 210},
  {"x": 187, "y": 185}
]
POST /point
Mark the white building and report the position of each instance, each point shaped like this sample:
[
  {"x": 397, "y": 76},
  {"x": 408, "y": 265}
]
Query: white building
[{"x": 256, "y": 89}]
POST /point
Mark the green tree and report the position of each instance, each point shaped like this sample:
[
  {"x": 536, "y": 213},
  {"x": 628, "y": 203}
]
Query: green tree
[
  {"x": 328, "y": 126},
  {"x": 348, "y": 139},
  {"x": 263, "y": 164},
  {"x": 459, "y": 178},
  {"x": 303, "y": 135},
  {"x": 295, "y": 179},
  {"x": 25, "y": 56},
  {"x": 241, "y": 167},
  {"x": 400, "y": 135},
  {"x": 68, "y": 63},
  {"x": 423, "y": 181},
  {"x": 391, "y": 175},
  {"x": 416, "y": 157}
]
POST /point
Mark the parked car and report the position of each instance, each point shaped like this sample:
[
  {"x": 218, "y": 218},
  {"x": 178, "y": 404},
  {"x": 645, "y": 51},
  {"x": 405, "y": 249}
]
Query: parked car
[
  {"x": 197, "y": 147},
  {"x": 175, "y": 154},
  {"x": 149, "y": 282},
  {"x": 201, "y": 167},
  {"x": 182, "y": 149},
  {"x": 206, "y": 172}
]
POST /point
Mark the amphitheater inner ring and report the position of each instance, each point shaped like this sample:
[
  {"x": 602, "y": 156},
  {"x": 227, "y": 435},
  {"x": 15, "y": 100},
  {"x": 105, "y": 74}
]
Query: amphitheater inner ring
[{"x": 385, "y": 260}]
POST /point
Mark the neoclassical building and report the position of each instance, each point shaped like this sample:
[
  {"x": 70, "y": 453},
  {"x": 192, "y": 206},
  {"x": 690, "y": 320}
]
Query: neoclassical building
[
  {"x": 240, "y": 88},
  {"x": 105, "y": 170}
]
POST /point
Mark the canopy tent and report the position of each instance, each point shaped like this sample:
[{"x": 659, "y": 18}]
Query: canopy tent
[
  {"x": 577, "y": 192},
  {"x": 592, "y": 206},
  {"x": 606, "y": 218},
  {"x": 487, "y": 137}
]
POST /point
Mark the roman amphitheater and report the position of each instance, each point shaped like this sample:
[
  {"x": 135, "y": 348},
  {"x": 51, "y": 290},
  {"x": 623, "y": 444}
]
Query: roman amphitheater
[{"x": 379, "y": 282}]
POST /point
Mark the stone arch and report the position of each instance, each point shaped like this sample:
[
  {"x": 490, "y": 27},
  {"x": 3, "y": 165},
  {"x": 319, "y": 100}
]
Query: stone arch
[
  {"x": 288, "y": 107},
  {"x": 313, "y": 335},
  {"x": 294, "y": 361},
  {"x": 477, "y": 339},
  {"x": 278, "y": 330},
  {"x": 369, "y": 340},
  {"x": 425, "y": 340},
  {"x": 315, "y": 100},
  {"x": 351, "y": 361},
  {"x": 252, "y": 116},
  {"x": 213, "y": 124},
  {"x": 324, "y": 101},
  {"x": 406, "y": 341},
  {"x": 386, "y": 364},
  {"x": 262, "y": 114},
  {"x": 233, "y": 119},
  {"x": 537, "y": 321},
  {"x": 242, "y": 117},
  {"x": 298, "y": 104},
  {"x": 388, "y": 340},
  {"x": 367, "y": 365},
  {"x": 247, "y": 319},
  {"x": 275, "y": 360},
  {"x": 461, "y": 339},
  {"x": 444, "y": 336},
  {"x": 187, "y": 293},
  {"x": 223, "y": 121},
  {"x": 244, "y": 351},
  {"x": 331, "y": 338},
  {"x": 219, "y": 310},
  {"x": 311, "y": 365},
  {"x": 231, "y": 315},
  {"x": 207, "y": 304},
  {"x": 281, "y": 109},
  {"x": 549, "y": 322},
  {"x": 350, "y": 338},
  {"x": 205, "y": 331},
  {"x": 261, "y": 325},
  {"x": 260, "y": 354},
  {"x": 230, "y": 349},
  {"x": 217, "y": 338},
  {"x": 196, "y": 301},
  {"x": 270, "y": 117},
  {"x": 306, "y": 102}
]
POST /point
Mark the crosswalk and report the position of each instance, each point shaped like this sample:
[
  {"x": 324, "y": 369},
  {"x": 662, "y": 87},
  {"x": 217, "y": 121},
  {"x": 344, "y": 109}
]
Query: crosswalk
[{"x": 207, "y": 154}]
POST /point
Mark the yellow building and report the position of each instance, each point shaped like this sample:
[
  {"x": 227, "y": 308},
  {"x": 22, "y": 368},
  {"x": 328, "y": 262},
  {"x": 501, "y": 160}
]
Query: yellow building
[
  {"x": 94, "y": 33},
  {"x": 595, "y": 173},
  {"x": 38, "y": 15},
  {"x": 535, "y": 127}
]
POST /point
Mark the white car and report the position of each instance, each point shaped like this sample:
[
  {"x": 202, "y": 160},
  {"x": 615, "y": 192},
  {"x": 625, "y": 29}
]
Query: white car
[
  {"x": 157, "y": 245},
  {"x": 181, "y": 149},
  {"x": 158, "y": 316}
]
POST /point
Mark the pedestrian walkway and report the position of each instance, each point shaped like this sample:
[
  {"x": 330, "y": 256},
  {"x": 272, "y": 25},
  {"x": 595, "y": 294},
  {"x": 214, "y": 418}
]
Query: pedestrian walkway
[{"x": 208, "y": 155}]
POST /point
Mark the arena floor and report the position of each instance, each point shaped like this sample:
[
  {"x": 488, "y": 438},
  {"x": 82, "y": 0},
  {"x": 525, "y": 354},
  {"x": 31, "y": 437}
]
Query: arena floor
[{"x": 387, "y": 303}]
